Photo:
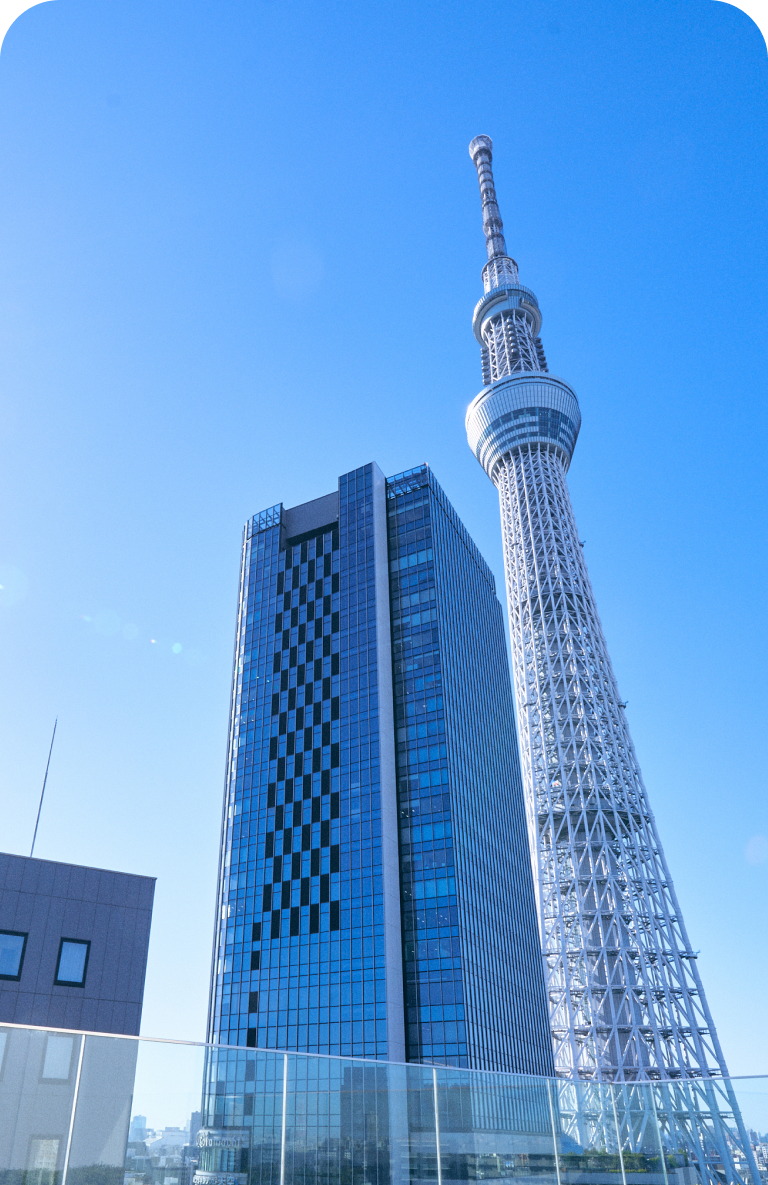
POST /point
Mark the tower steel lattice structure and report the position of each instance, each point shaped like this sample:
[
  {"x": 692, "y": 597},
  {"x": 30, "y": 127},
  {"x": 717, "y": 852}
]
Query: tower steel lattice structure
[{"x": 626, "y": 1001}]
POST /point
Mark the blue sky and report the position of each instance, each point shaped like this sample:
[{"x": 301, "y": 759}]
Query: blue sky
[{"x": 240, "y": 244}]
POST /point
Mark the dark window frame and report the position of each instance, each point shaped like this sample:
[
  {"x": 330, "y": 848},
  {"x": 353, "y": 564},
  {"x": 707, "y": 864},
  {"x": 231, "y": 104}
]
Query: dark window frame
[
  {"x": 25, "y": 936},
  {"x": 86, "y": 942}
]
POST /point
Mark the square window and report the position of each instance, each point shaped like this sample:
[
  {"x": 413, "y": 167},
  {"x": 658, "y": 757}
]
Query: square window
[
  {"x": 73, "y": 963},
  {"x": 12, "y": 946}
]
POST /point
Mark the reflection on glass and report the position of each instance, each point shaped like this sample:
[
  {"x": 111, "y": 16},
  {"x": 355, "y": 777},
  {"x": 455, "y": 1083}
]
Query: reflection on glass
[
  {"x": 86, "y": 1110},
  {"x": 43, "y": 1159},
  {"x": 58, "y": 1057}
]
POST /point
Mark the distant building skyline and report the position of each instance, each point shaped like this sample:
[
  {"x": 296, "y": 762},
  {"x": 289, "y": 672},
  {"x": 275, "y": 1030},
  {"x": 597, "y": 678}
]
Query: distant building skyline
[{"x": 371, "y": 695}]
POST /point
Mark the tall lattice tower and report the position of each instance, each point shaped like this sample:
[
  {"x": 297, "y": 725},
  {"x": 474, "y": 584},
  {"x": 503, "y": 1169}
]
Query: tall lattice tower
[{"x": 626, "y": 1001}]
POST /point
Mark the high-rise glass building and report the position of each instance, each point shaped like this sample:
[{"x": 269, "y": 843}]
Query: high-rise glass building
[{"x": 375, "y": 892}]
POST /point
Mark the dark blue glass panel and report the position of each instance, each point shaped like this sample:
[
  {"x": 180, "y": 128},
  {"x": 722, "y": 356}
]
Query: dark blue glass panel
[
  {"x": 299, "y": 958},
  {"x": 472, "y": 963}
]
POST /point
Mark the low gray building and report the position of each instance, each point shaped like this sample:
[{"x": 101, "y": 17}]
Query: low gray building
[{"x": 73, "y": 945}]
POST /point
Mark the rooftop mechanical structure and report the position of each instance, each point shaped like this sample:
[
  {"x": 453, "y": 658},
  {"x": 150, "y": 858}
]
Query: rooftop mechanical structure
[{"x": 626, "y": 1002}]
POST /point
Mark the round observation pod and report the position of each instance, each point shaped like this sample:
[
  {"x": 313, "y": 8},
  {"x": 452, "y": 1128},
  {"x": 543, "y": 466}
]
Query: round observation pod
[{"x": 527, "y": 408}]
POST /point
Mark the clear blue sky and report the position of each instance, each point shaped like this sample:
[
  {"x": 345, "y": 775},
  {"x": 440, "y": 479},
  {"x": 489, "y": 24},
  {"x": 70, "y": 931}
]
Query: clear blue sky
[{"x": 240, "y": 244}]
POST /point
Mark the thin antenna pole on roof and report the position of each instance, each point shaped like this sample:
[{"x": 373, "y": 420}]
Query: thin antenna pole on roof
[{"x": 42, "y": 792}]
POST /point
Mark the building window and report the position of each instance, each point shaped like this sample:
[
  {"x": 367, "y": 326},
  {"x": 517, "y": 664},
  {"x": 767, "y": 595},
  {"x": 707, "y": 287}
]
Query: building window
[
  {"x": 12, "y": 946},
  {"x": 73, "y": 963},
  {"x": 58, "y": 1058}
]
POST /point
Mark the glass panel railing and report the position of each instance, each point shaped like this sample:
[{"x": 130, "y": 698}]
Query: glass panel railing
[
  {"x": 243, "y": 1108},
  {"x": 609, "y": 1133},
  {"x": 494, "y": 1126},
  {"x": 167, "y": 1091},
  {"x": 102, "y": 1112},
  {"x": 751, "y": 1095},
  {"x": 338, "y": 1121},
  {"x": 87, "y": 1109},
  {"x": 39, "y": 1073}
]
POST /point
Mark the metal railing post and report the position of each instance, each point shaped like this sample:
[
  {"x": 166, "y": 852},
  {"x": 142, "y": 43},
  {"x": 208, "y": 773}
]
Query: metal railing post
[
  {"x": 618, "y": 1132},
  {"x": 65, "y": 1169},
  {"x": 554, "y": 1131},
  {"x": 658, "y": 1133},
  {"x": 285, "y": 1111},
  {"x": 437, "y": 1127}
]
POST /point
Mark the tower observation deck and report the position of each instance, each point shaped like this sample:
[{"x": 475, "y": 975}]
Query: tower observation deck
[{"x": 626, "y": 1002}]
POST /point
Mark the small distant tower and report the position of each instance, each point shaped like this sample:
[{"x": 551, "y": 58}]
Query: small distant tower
[{"x": 626, "y": 1002}]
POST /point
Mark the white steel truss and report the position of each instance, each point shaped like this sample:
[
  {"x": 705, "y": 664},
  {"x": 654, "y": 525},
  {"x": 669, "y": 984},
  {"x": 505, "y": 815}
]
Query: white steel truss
[
  {"x": 510, "y": 345},
  {"x": 625, "y": 997},
  {"x": 499, "y": 271}
]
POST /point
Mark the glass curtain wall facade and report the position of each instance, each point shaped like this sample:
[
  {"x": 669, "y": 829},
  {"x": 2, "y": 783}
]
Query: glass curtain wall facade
[
  {"x": 472, "y": 961},
  {"x": 300, "y": 958},
  {"x": 374, "y": 867}
]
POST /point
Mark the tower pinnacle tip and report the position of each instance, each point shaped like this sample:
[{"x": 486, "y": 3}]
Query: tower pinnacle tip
[{"x": 480, "y": 142}]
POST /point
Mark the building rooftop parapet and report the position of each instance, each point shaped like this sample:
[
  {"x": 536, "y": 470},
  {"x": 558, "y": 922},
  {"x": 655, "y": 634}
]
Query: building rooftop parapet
[{"x": 271, "y": 517}]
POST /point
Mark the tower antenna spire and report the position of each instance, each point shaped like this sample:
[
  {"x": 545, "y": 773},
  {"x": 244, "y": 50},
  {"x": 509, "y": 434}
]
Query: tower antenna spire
[
  {"x": 481, "y": 151},
  {"x": 500, "y": 270},
  {"x": 42, "y": 792}
]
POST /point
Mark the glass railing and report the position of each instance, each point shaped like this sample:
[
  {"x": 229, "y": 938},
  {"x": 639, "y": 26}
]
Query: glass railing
[{"x": 86, "y": 1109}]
